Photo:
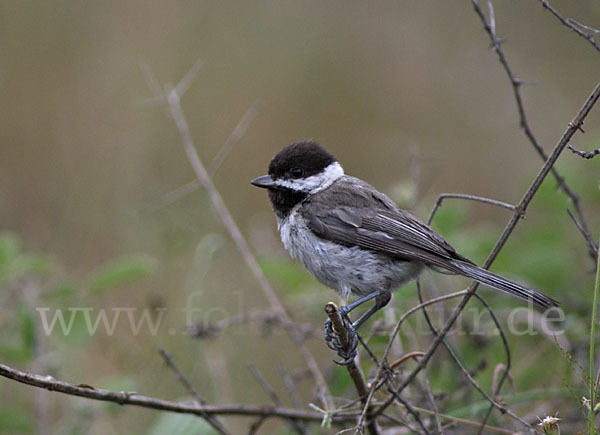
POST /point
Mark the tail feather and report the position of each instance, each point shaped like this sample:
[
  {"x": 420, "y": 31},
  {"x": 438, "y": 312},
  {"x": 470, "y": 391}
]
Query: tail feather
[{"x": 497, "y": 282}]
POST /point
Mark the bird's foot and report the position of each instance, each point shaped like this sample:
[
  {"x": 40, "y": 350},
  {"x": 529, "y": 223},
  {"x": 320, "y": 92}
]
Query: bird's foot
[{"x": 345, "y": 348}]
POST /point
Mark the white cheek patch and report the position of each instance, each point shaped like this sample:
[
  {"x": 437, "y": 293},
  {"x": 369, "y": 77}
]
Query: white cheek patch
[{"x": 315, "y": 183}]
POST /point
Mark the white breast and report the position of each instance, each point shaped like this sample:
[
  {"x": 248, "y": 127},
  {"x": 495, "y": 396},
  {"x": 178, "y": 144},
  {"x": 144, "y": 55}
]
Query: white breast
[{"x": 348, "y": 270}]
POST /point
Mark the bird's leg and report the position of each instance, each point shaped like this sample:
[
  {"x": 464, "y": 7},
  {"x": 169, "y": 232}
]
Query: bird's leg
[
  {"x": 381, "y": 300},
  {"x": 333, "y": 342}
]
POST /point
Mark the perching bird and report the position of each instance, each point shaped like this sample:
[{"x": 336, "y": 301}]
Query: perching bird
[{"x": 354, "y": 239}]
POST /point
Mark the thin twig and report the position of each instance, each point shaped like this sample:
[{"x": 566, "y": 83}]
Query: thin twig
[
  {"x": 516, "y": 86},
  {"x": 566, "y": 22},
  {"x": 411, "y": 411},
  {"x": 211, "y": 419},
  {"x": 291, "y": 387},
  {"x": 464, "y": 422},
  {"x": 414, "y": 310},
  {"x": 492, "y": 314},
  {"x": 585, "y": 154},
  {"x": 382, "y": 366},
  {"x": 353, "y": 371},
  {"x": 173, "y": 100},
  {"x": 460, "y": 365},
  {"x": 592, "y": 246},
  {"x": 256, "y": 425},
  {"x": 507, "y": 366},
  {"x": 431, "y": 400},
  {"x": 521, "y": 207},
  {"x": 180, "y": 377},
  {"x": 264, "y": 384},
  {"x": 234, "y": 137},
  {"x": 217, "y": 161},
  {"x": 273, "y": 395},
  {"x": 583, "y": 26},
  {"x": 132, "y": 398},
  {"x": 441, "y": 197}
]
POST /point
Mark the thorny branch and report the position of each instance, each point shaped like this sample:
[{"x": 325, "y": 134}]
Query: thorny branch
[
  {"x": 520, "y": 209},
  {"x": 516, "y": 84},
  {"x": 567, "y": 22}
]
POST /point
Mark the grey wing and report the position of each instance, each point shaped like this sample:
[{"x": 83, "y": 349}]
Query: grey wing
[
  {"x": 378, "y": 226},
  {"x": 391, "y": 232}
]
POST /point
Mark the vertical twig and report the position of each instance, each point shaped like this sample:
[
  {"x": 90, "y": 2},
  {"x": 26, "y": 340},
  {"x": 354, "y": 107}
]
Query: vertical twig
[
  {"x": 172, "y": 98},
  {"x": 296, "y": 426},
  {"x": 211, "y": 419},
  {"x": 353, "y": 370}
]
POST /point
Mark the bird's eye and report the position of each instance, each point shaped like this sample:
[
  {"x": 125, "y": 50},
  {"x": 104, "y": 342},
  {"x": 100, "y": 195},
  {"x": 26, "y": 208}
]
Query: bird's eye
[{"x": 297, "y": 172}]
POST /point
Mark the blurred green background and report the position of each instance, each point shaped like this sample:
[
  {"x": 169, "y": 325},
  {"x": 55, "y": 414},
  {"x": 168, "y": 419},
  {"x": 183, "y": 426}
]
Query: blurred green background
[{"x": 407, "y": 94}]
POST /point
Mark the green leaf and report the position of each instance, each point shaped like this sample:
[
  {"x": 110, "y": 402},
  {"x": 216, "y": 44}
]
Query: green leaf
[{"x": 122, "y": 271}]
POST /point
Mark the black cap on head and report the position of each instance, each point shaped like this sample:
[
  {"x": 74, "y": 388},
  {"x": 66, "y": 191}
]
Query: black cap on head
[{"x": 308, "y": 156}]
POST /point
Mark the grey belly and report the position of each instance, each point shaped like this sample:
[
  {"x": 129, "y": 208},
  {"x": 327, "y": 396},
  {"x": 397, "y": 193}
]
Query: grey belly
[{"x": 348, "y": 270}]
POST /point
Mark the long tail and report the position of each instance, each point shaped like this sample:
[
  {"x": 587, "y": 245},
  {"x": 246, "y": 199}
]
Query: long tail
[{"x": 497, "y": 282}]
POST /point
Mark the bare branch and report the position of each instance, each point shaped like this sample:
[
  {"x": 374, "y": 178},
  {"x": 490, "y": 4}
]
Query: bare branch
[
  {"x": 463, "y": 369},
  {"x": 132, "y": 398},
  {"x": 516, "y": 85},
  {"x": 180, "y": 377},
  {"x": 234, "y": 137},
  {"x": 585, "y": 154},
  {"x": 189, "y": 77},
  {"x": 291, "y": 387},
  {"x": 217, "y": 161},
  {"x": 592, "y": 246},
  {"x": 583, "y": 26},
  {"x": 172, "y": 99},
  {"x": 565, "y": 21},
  {"x": 212, "y": 420},
  {"x": 353, "y": 371},
  {"x": 411, "y": 411},
  {"x": 273, "y": 395},
  {"x": 521, "y": 207},
  {"x": 443, "y": 196}
]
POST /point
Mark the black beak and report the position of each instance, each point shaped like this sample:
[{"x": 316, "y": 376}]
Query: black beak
[{"x": 265, "y": 182}]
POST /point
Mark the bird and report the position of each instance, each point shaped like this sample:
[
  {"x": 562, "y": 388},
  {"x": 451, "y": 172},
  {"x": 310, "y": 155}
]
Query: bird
[{"x": 354, "y": 239}]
